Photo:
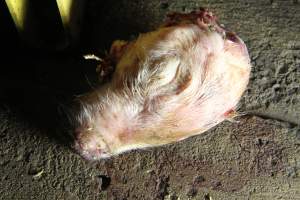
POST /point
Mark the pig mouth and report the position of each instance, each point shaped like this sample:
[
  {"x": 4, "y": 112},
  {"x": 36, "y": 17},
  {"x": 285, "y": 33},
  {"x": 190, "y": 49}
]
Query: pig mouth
[{"x": 90, "y": 153}]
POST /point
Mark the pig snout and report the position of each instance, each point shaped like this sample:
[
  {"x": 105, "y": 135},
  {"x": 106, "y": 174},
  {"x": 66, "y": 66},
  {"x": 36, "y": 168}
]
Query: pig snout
[
  {"x": 90, "y": 146},
  {"x": 167, "y": 85}
]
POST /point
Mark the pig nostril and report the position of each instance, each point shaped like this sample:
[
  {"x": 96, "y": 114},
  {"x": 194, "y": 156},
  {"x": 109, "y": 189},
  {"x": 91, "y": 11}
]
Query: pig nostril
[
  {"x": 79, "y": 134},
  {"x": 77, "y": 145}
]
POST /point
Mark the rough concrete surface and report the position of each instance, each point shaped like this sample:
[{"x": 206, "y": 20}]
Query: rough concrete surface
[{"x": 256, "y": 158}]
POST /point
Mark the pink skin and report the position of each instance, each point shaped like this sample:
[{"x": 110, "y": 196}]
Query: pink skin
[{"x": 170, "y": 84}]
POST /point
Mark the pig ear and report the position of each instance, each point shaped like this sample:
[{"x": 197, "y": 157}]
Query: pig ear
[
  {"x": 107, "y": 65},
  {"x": 117, "y": 49},
  {"x": 171, "y": 78},
  {"x": 181, "y": 80},
  {"x": 166, "y": 73}
]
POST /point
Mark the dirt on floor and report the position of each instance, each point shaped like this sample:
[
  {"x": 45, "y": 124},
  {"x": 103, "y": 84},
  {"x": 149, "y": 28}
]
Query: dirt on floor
[{"x": 255, "y": 158}]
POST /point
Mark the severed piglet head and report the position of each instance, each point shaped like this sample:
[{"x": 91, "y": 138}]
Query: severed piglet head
[{"x": 175, "y": 82}]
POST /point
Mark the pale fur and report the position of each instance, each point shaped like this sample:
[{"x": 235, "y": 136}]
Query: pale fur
[{"x": 143, "y": 104}]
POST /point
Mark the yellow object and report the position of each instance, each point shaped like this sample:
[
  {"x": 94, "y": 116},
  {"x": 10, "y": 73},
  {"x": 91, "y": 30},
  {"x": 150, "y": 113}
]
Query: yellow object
[
  {"x": 18, "y": 10},
  {"x": 71, "y": 12}
]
